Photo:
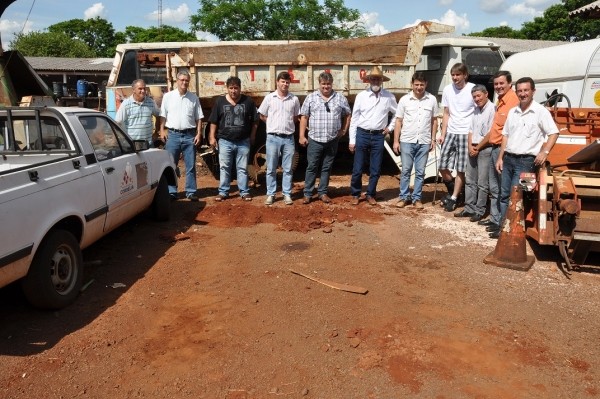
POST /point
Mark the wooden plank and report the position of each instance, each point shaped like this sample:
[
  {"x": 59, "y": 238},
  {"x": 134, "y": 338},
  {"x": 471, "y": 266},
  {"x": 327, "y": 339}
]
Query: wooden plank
[
  {"x": 395, "y": 48},
  {"x": 332, "y": 284}
]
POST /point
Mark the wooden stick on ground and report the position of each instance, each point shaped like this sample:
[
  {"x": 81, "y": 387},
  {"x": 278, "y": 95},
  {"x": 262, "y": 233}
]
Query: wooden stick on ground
[{"x": 337, "y": 286}]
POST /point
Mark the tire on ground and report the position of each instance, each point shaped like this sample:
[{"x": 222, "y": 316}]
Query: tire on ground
[
  {"x": 161, "y": 204},
  {"x": 56, "y": 272}
]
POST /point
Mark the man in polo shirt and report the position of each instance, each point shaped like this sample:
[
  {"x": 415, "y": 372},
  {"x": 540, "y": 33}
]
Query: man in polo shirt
[
  {"x": 370, "y": 123},
  {"x": 528, "y": 137},
  {"x": 135, "y": 113},
  {"x": 326, "y": 114},
  {"x": 414, "y": 137},
  {"x": 181, "y": 114},
  {"x": 280, "y": 111},
  {"x": 505, "y": 101}
]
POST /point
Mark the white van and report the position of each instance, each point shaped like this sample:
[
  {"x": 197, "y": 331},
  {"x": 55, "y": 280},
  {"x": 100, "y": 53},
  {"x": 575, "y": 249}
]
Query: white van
[{"x": 571, "y": 69}]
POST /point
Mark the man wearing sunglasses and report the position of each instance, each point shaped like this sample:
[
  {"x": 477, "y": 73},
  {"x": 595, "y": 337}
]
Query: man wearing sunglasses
[{"x": 326, "y": 115}]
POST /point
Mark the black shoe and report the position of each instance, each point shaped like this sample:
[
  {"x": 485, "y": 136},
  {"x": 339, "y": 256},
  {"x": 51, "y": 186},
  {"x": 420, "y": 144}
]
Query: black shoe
[
  {"x": 495, "y": 234},
  {"x": 463, "y": 214},
  {"x": 492, "y": 227},
  {"x": 444, "y": 200},
  {"x": 475, "y": 218},
  {"x": 450, "y": 205},
  {"x": 486, "y": 222},
  {"x": 173, "y": 197}
]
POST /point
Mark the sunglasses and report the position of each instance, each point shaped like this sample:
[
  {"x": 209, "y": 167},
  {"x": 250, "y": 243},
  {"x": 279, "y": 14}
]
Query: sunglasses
[{"x": 327, "y": 106}]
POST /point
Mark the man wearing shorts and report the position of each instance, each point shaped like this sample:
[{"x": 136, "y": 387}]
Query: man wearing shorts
[{"x": 456, "y": 121}]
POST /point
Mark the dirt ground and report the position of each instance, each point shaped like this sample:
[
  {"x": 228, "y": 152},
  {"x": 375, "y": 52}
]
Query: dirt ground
[{"x": 205, "y": 306}]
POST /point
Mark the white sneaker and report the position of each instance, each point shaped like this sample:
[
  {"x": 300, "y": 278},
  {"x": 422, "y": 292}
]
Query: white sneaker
[
  {"x": 269, "y": 200},
  {"x": 288, "y": 200}
]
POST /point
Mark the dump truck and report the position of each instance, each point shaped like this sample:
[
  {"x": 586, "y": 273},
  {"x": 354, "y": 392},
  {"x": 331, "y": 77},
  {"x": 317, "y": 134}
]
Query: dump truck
[{"x": 399, "y": 54}]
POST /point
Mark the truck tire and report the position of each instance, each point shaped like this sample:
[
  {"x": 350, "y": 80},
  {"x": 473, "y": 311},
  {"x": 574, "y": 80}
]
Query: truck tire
[
  {"x": 56, "y": 272},
  {"x": 161, "y": 204}
]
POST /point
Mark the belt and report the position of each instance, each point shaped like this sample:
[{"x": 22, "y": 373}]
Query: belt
[
  {"x": 495, "y": 145},
  {"x": 371, "y": 131},
  {"x": 284, "y": 135},
  {"x": 191, "y": 130},
  {"x": 510, "y": 154}
]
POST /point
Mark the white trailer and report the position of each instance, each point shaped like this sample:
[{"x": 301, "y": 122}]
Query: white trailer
[{"x": 571, "y": 69}]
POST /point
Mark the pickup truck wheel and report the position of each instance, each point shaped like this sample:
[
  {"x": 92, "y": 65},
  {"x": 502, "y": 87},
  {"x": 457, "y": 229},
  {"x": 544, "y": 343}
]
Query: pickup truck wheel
[
  {"x": 162, "y": 201},
  {"x": 56, "y": 273}
]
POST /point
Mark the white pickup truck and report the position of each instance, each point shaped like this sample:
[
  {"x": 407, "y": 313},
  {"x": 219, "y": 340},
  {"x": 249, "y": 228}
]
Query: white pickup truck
[{"x": 68, "y": 176}]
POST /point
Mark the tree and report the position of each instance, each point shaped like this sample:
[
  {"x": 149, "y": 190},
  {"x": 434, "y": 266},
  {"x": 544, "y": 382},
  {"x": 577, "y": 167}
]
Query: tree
[
  {"x": 499, "y": 31},
  {"x": 97, "y": 33},
  {"x": 277, "y": 19},
  {"x": 135, "y": 34},
  {"x": 555, "y": 24},
  {"x": 50, "y": 44}
]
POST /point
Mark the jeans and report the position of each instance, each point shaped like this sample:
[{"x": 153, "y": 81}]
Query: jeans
[
  {"x": 228, "y": 152},
  {"x": 367, "y": 145},
  {"x": 511, "y": 175},
  {"x": 319, "y": 155},
  {"x": 477, "y": 182},
  {"x": 278, "y": 146},
  {"x": 494, "y": 181},
  {"x": 178, "y": 143},
  {"x": 412, "y": 154}
]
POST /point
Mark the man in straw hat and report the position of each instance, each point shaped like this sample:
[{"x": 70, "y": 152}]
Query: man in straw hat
[{"x": 370, "y": 123}]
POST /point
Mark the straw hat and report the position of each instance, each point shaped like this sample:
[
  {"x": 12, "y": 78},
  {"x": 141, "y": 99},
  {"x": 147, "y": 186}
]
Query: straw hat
[{"x": 376, "y": 73}]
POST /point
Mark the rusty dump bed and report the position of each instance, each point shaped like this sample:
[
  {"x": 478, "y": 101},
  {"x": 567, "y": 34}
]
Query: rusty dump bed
[
  {"x": 257, "y": 63},
  {"x": 566, "y": 207}
]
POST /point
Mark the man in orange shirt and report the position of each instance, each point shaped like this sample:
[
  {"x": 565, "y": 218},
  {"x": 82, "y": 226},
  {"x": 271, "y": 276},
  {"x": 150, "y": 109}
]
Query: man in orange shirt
[{"x": 507, "y": 99}]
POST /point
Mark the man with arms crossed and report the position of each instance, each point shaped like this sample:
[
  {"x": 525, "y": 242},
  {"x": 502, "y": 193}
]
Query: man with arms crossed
[
  {"x": 280, "y": 111},
  {"x": 414, "y": 136},
  {"x": 370, "y": 123},
  {"x": 456, "y": 120},
  {"x": 181, "y": 115},
  {"x": 527, "y": 138}
]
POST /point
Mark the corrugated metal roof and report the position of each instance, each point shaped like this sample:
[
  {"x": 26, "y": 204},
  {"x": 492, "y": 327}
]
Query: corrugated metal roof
[
  {"x": 592, "y": 10},
  {"x": 62, "y": 64},
  {"x": 511, "y": 46}
]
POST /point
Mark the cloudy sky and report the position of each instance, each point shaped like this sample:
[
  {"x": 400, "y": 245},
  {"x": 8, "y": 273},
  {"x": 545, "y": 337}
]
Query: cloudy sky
[{"x": 380, "y": 16}]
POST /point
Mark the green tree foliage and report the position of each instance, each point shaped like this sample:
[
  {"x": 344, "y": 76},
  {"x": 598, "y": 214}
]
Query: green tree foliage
[
  {"x": 135, "y": 34},
  {"x": 277, "y": 19},
  {"x": 555, "y": 24},
  {"x": 499, "y": 31},
  {"x": 97, "y": 33},
  {"x": 50, "y": 44}
]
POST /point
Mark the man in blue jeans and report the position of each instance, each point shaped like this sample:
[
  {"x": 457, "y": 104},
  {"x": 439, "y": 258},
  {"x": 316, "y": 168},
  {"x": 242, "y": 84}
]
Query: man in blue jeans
[
  {"x": 233, "y": 120},
  {"x": 370, "y": 123},
  {"x": 326, "y": 114},
  {"x": 414, "y": 136},
  {"x": 528, "y": 137},
  {"x": 280, "y": 111},
  {"x": 181, "y": 115}
]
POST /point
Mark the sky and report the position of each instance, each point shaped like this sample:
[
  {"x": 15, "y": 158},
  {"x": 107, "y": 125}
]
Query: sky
[{"x": 379, "y": 16}]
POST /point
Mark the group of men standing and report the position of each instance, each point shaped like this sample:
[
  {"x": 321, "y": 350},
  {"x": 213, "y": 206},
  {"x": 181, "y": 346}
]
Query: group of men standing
[
  {"x": 486, "y": 145},
  {"x": 493, "y": 145}
]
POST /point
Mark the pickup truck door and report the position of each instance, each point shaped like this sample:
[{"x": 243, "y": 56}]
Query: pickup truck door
[{"x": 126, "y": 171}]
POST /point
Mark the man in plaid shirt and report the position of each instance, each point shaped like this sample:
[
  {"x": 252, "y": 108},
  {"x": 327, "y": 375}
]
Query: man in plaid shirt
[{"x": 326, "y": 115}]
